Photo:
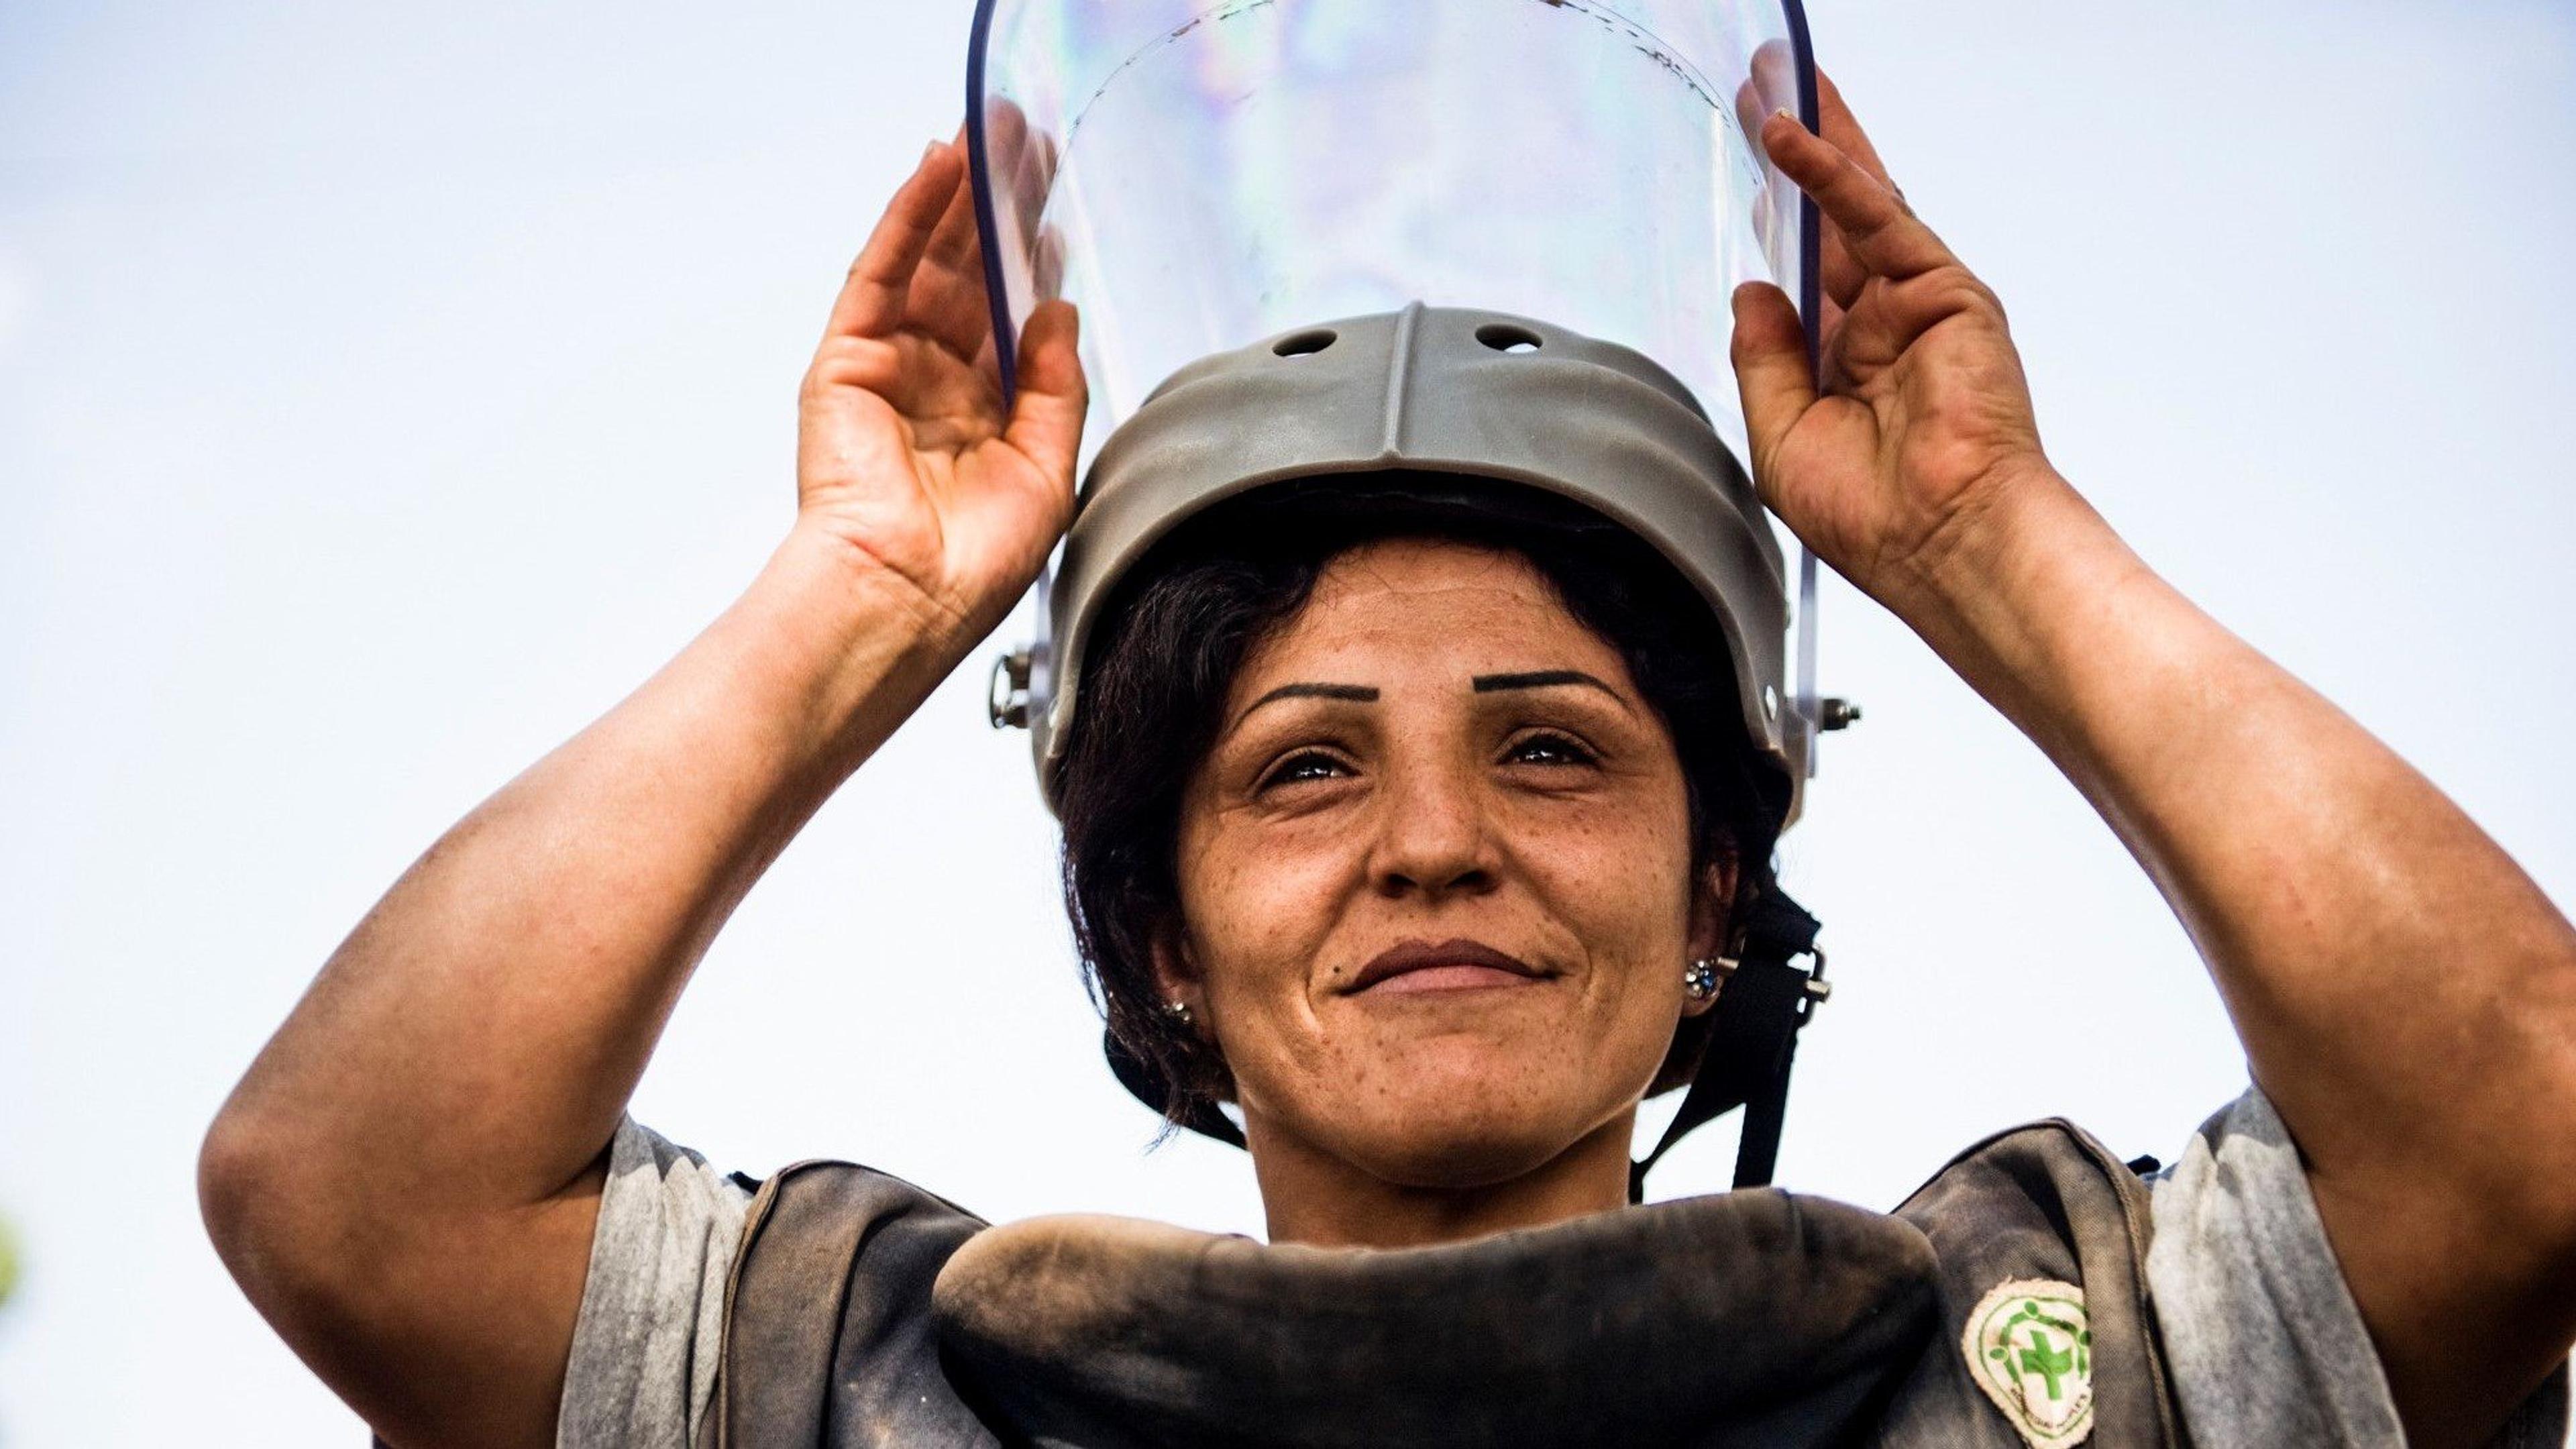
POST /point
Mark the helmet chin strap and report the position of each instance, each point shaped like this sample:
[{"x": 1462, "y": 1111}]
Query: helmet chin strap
[
  {"x": 1145, "y": 1086},
  {"x": 1753, "y": 1039}
]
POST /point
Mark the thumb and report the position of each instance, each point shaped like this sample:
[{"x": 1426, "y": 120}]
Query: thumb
[
  {"x": 1046, "y": 416},
  {"x": 1772, "y": 374}
]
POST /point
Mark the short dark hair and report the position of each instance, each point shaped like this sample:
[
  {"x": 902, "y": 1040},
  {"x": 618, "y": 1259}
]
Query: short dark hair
[{"x": 1159, "y": 667}]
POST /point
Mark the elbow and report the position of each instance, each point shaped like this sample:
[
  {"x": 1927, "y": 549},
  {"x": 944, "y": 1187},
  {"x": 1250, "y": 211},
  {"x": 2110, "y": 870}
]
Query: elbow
[
  {"x": 235, "y": 1171},
  {"x": 314, "y": 1257},
  {"x": 271, "y": 1209},
  {"x": 243, "y": 1187}
]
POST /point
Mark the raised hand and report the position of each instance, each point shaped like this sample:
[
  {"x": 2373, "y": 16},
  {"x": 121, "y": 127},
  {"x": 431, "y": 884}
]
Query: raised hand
[
  {"x": 1923, "y": 424},
  {"x": 905, "y": 455}
]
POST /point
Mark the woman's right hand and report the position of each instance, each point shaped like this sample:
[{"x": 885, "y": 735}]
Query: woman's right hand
[{"x": 906, "y": 461}]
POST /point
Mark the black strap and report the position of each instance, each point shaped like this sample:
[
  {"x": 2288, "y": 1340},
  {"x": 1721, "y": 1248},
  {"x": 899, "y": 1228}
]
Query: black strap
[
  {"x": 1752, "y": 1042},
  {"x": 1147, "y": 1087}
]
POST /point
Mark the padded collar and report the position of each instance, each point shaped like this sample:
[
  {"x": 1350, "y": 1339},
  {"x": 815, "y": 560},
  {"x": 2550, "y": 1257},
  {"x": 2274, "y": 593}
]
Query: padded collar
[{"x": 1749, "y": 1318}]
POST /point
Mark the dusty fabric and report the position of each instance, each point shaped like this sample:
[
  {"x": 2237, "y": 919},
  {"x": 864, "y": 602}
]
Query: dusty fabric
[
  {"x": 2265, "y": 1343},
  {"x": 2052, "y": 1213},
  {"x": 2261, "y": 1336},
  {"x": 650, "y": 1334},
  {"x": 1745, "y": 1319}
]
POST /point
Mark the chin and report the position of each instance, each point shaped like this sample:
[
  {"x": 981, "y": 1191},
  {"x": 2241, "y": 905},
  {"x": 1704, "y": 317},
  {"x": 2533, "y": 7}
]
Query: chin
[
  {"x": 1458, "y": 1124},
  {"x": 1461, "y": 1161}
]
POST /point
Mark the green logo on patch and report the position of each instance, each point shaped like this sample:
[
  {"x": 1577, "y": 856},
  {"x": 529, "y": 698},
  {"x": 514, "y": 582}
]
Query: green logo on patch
[{"x": 2030, "y": 1347}]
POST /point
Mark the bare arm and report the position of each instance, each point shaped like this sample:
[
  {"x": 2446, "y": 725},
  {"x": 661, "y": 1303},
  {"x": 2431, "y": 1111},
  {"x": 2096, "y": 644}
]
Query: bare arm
[
  {"x": 2407, "y": 996},
  {"x": 406, "y": 1181}
]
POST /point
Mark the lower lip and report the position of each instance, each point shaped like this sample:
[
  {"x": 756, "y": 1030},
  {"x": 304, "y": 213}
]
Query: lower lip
[{"x": 1449, "y": 978}]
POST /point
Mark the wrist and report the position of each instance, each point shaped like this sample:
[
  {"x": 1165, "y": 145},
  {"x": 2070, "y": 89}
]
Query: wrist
[
  {"x": 2019, "y": 587},
  {"x": 850, "y": 646},
  {"x": 2020, "y": 540},
  {"x": 1987, "y": 545}
]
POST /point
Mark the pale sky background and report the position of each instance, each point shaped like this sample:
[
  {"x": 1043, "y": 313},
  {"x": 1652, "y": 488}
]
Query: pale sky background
[{"x": 384, "y": 391}]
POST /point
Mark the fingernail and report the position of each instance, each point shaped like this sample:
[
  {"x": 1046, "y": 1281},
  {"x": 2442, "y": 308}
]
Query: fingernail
[
  {"x": 1784, "y": 113},
  {"x": 933, "y": 149}
]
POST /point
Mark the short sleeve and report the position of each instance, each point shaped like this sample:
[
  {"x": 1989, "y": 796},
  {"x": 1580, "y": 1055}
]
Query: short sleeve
[
  {"x": 649, "y": 1338},
  {"x": 2261, "y": 1333}
]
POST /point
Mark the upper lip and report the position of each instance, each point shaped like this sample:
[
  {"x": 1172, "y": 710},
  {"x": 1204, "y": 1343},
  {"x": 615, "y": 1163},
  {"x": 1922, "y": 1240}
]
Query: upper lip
[{"x": 1421, "y": 955}]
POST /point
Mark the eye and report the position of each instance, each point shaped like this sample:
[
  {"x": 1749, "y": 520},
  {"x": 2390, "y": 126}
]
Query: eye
[
  {"x": 1302, "y": 767},
  {"x": 1548, "y": 748}
]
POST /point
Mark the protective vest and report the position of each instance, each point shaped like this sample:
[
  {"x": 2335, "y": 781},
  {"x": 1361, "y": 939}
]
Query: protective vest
[{"x": 2004, "y": 1304}]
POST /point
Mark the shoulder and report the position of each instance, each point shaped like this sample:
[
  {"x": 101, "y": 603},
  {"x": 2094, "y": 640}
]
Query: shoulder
[
  {"x": 2040, "y": 1234},
  {"x": 825, "y": 1217},
  {"x": 2266, "y": 1343},
  {"x": 688, "y": 1259},
  {"x": 2043, "y": 1190},
  {"x": 642, "y": 1359},
  {"x": 829, "y": 1315}
]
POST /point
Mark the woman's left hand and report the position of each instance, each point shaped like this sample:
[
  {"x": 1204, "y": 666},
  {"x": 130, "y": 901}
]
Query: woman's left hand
[{"x": 1922, "y": 431}]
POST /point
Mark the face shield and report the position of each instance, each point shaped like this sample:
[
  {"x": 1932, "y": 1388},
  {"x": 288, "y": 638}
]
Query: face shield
[{"x": 1486, "y": 239}]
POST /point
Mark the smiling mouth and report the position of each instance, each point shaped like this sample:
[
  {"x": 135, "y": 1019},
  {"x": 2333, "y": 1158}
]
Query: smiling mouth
[{"x": 1443, "y": 966}]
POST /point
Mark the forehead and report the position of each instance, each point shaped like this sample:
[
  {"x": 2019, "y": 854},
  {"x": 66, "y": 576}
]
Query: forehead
[{"x": 1456, "y": 607}]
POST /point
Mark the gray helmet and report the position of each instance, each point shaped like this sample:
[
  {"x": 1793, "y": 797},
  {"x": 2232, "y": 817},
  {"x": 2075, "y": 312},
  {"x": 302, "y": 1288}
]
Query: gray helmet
[
  {"x": 1194, "y": 173},
  {"x": 1444, "y": 390}
]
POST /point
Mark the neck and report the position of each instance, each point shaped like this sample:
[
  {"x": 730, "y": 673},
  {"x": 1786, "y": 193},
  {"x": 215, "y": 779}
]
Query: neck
[{"x": 1314, "y": 1198}]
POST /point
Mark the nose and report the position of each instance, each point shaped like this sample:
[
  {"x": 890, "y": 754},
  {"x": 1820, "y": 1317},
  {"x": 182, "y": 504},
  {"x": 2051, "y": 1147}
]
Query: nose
[{"x": 1432, "y": 839}]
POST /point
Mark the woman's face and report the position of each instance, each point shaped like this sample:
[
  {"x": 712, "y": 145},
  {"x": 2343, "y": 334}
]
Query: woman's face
[{"x": 1436, "y": 874}]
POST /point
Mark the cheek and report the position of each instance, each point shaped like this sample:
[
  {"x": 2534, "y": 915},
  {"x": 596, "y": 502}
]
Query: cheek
[
  {"x": 1619, "y": 878},
  {"x": 1258, "y": 908}
]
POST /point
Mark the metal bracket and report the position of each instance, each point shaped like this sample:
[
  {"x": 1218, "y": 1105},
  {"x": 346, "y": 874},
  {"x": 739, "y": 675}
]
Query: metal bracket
[
  {"x": 1818, "y": 990},
  {"x": 1006, "y": 698}
]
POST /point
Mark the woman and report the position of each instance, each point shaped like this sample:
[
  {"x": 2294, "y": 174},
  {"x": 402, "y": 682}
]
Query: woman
[{"x": 1439, "y": 871}]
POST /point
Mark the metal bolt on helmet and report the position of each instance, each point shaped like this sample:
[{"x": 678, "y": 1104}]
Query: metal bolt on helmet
[{"x": 1494, "y": 240}]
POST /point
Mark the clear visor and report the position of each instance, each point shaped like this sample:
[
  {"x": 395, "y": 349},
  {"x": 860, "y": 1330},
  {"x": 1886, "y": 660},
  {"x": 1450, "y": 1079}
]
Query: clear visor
[{"x": 1196, "y": 175}]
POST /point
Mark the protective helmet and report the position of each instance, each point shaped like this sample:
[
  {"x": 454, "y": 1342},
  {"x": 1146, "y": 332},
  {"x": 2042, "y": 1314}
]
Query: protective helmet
[{"x": 1317, "y": 239}]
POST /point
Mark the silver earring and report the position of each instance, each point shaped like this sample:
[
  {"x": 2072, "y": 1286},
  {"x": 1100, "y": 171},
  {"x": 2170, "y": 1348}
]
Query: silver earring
[
  {"x": 1178, "y": 1011},
  {"x": 1699, "y": 979}
]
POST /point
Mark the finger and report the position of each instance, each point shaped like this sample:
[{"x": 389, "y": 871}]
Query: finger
[
  {"x": 1840, "y": 271},
  {"x": 1843, "y": 128},
  {"x": 1776, "y": 76},
  {"x": 1772, "y": 375},
  {"x": 1046, "y": 416},
  {"x": 949, "y": 302},
  {"x": 872, "y": 300},
  {"x": 956, "y": 241},
  {"x": 1882, "y": 234}
]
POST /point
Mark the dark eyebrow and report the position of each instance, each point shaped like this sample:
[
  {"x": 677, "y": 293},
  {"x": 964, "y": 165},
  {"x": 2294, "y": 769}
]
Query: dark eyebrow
[
  {"x": 1540, "y": 679},
  {"x": 1356, "y": 693}
]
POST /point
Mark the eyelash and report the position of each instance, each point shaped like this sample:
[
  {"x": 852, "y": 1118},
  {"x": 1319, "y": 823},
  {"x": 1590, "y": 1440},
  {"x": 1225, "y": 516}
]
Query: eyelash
[
  {"x": 1565, "y": 743},
  {"x": 1285, "y": 772},
  {"x": 1279, "y": 774}
]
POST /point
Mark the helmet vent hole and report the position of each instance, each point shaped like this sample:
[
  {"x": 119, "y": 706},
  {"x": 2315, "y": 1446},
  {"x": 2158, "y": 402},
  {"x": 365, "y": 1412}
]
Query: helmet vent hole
[
  {"x": 1504, "y": 337},
  {"x": 1304, "y": 344}
]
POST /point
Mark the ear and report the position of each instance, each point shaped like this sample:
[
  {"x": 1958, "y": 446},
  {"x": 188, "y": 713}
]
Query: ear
[
  {"x": 1176, "y": 974},
  {"x": 1712, "y": 920},
  {"x": 1178, "y": 980}
]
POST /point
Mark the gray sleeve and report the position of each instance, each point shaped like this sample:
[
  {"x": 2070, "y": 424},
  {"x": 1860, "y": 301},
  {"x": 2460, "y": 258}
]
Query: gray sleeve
[
  {"x": 2265, "y": 1344},
  {"x": 647, "y": 1343}
]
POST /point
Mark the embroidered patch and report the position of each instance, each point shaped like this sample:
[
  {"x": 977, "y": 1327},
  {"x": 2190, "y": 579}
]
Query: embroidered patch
[{"x": 2031, "y": 1349}]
